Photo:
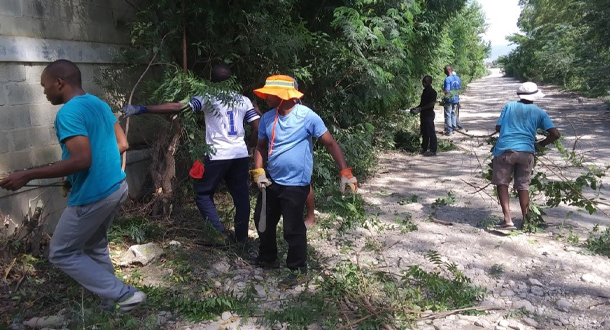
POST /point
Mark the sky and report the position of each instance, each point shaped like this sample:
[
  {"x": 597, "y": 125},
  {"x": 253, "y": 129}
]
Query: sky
[{"x": 501, "y": 16}]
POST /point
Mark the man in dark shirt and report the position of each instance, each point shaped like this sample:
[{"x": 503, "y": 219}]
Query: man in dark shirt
[{"x": 426, "y": 108}]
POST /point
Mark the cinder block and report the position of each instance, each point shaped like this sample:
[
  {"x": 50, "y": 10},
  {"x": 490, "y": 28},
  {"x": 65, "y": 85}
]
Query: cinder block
[
  {"x": 11, "y": 7},
  {"x": 88, "y": 71},
  {"x": 21, "y": 139},
  {"x": 33, "y": 72},
  {"x": 92, "y": 87},
  {"x": 12, "y": 117},
  {"x": 24, "y": 93},
  {"x": 45, "y": 155},
  {"x": 4, "y": 142},
  {"x": 43, "y": 114},
  {"x": 54, "y": 29},
  {"x": 68, "y": 12},
  {"x": 41, "y": 136},
  {"x": 12, "y": 72},
  {"x": 2, "y": 95},
  {"x": 16, "y": 161}
]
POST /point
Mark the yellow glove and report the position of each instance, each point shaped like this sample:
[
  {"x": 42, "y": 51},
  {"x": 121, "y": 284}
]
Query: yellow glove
[
  {"x": 348, "y": 181},
  {"x": 65, "y": 188},
  {"x": 259, "y": 176}
]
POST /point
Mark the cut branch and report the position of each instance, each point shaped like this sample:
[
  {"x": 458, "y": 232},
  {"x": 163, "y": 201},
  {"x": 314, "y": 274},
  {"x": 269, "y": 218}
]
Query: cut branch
[{"x": 152, "y": 60}]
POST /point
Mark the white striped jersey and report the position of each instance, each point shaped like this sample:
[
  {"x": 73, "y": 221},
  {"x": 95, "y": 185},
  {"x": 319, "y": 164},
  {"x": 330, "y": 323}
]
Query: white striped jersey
[{"x": 224, "y": 123}]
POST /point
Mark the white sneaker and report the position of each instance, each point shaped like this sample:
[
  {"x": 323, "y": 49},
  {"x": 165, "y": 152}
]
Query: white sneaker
[{"x": 132, "y": 302}]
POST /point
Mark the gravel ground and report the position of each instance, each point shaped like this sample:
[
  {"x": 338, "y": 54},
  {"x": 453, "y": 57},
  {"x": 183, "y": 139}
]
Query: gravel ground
[{"x": 557, "y": 283}]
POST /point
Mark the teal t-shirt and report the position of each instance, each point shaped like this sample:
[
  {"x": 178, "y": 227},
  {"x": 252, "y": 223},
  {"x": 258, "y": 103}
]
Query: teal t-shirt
[
  {"x": 518, "y": 125},
  {"x": 87, "y": 115},
  {"x": 291, "y": 160}
]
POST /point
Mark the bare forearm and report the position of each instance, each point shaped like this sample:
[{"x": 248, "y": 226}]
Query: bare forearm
[
  {"x": 253, "y": 134},
  {"x": 121, "y": 138},
  {"x": 166, "y": 108},
  {"x": 59, "y": 169},
  {"x": 428, "y": 106},
  {"x": 552, "y": 137},
  {"x": 335, "y": 151},
  {"x": 259, "y": 151}
]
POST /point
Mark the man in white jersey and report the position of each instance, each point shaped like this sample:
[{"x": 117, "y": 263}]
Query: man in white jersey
[{"x": 224, "y": 125}]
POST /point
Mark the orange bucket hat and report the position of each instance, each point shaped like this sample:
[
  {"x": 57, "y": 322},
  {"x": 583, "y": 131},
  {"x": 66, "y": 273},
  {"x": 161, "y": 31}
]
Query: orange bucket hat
[{"x": 284, "y": 87}]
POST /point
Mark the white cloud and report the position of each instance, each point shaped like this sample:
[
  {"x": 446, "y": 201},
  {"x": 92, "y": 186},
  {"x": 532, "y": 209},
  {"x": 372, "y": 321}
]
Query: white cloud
[{"x": 501, "y": 16}]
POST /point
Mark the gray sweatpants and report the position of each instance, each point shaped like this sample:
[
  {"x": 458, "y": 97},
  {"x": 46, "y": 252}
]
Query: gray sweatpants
[{"x": 79, "y": 246}]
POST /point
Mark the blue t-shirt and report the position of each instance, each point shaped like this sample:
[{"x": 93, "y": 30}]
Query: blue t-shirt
[
  {"x": 518, "y": 125},
  {"x": 291, "y": 160},
  {"x": 452, "y": 84},
  {"x": 87, "y": 115}
]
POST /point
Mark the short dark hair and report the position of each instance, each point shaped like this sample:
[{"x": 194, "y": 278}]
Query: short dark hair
[
  {"x": 220, "y": 72},
  {"x": 66, "y": 71},
  {"x": 428, "y": 79}
]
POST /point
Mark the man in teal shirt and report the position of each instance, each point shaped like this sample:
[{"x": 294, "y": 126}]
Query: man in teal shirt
[
  {"x": 91, "y": 140},
  {"x": 514, "y": 150}
]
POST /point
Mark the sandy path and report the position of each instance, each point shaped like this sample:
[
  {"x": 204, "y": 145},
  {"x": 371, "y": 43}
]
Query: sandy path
[{"x": 565, "y": 272}]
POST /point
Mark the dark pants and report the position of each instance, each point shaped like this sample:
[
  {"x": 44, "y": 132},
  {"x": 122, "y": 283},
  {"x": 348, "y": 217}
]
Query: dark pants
[
  {"x": 289, "y": 203},
  {"x": 426, "y": 125},
  {"x": 235, "y": 174}
]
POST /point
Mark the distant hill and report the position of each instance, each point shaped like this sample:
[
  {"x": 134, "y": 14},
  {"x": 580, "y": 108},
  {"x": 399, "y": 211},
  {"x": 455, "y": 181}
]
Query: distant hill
[{"x": 500, "y": 50}]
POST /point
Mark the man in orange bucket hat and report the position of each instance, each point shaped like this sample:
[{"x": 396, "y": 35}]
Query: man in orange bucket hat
[{"x": 285, "y": 138}]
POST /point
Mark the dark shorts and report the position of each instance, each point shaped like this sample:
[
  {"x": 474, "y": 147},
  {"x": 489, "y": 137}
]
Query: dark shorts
[{"x": 513, "y": 162}]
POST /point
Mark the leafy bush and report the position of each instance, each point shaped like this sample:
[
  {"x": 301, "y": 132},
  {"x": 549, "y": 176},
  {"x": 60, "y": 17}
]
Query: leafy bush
[
  {"x": 599, "y": 241},
  {"x": 565, "y": 43},
  {"x": 357, "y": 62}
]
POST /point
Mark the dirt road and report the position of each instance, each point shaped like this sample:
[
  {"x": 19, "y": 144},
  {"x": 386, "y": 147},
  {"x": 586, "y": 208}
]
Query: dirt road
[
  {"x": 540, "y": 281},
  {"x": 558, "y": 283}
]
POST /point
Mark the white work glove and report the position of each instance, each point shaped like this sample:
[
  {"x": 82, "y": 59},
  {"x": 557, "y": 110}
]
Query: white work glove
[
  {"x": 260, "y": 177},
  {"x": 348, "y": 181}
]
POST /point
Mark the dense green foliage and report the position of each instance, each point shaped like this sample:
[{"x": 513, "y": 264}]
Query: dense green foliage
[
  {"x": 358, "y": 62},
  {"x": 566, "y": 42}
]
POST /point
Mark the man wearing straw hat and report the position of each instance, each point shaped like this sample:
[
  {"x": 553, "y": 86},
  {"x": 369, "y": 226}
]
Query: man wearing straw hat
[
  {"x": 514, "y": 150},
  {"x": 285, "y": 137}
]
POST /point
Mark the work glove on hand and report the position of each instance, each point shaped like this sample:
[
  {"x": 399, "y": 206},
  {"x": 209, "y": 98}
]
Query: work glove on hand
[
  {"x": 415, "y": 111},
  {"x": 348, "y": 181},
  {"x": 538, "y": 147},
  {"x": 130, "y": 110},
  {"x": 260, "y": 177}
]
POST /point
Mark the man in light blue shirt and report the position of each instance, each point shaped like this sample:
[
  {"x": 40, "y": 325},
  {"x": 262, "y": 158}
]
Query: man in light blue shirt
[
  {"x": 451, "y": 86},
  {"x": 285, "y": 137},
  {"x": 514, "y": 150}
]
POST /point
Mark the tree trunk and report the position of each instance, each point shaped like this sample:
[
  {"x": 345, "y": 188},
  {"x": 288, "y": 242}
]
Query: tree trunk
[{"x": 163, "y": 169}]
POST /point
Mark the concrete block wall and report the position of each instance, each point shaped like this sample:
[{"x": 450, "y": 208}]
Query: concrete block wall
[
  {"x": 34, "y": 33},
  {"x": 83, "y": 20}
]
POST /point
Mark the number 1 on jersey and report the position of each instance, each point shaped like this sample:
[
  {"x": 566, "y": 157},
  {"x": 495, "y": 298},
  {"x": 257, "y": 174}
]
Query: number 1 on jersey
[{"x": 232, "y": 130}]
